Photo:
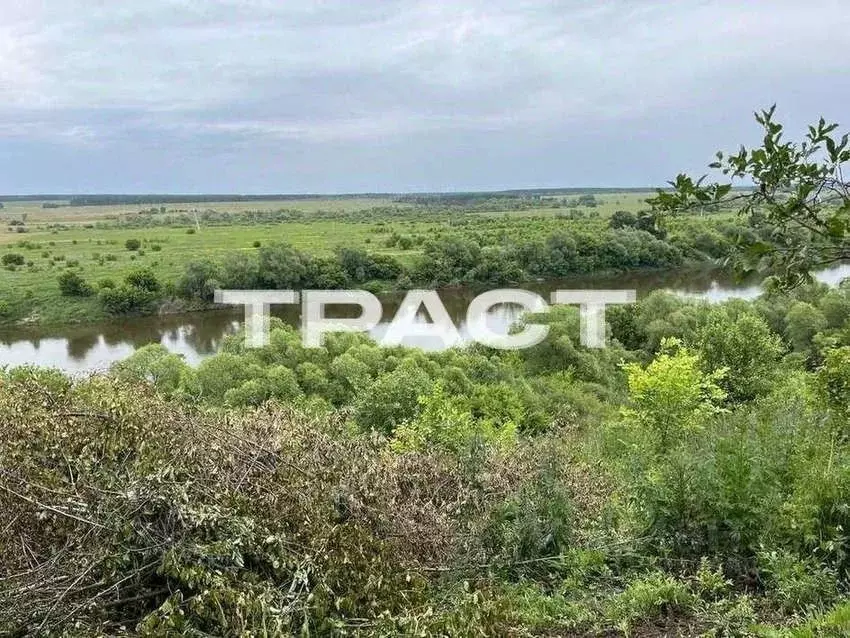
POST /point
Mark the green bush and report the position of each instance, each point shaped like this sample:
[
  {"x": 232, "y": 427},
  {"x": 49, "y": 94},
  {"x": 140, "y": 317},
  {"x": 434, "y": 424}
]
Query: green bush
[
  {"x": 794, "y": 584},
  {"x": 834, "y": 381},
  {"x": 153, "y": 364},
  {"x": 126, "y": 299},
  {"x": 72, "y": 284},
  {"x": 199, "y": 281},
  {"x": 144, "y": 279},
  {"x": 672, "y": 396},
  {"x": 648, "y": 598},
  {"x": 13, "y": 259},
  {"x": 743, "y": 346},
  {"x": 447, "y": 423}
]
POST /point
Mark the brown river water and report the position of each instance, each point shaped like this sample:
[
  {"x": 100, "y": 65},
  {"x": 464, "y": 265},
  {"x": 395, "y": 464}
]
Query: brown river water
[{"x": 94, "y": 347}]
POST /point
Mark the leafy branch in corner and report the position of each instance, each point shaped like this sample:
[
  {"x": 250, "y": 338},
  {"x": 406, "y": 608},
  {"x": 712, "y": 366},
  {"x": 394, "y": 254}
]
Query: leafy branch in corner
[{"x": 796, "y": 200}]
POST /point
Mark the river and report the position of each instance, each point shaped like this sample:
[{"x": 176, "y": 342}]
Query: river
[{"x": 94, "y": 347}]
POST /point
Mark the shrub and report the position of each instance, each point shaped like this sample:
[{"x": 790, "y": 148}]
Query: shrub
[
  {"x": 392, "y": 398},
  {"x": 447, "y": 423},
  {"x": 672, "y": 396},
  {"x": 132, "y": 244},
  {"x": 622, "y": 219},
  {"x": 650, "y": 597},
  {"x": 834, "y": 381},
  {"x": 745, "y": 347},
  {"x": 72, "y": 284},
  {"x": 144, "y": 279},
  {"x": 796, "y": 584},
  {"x": 803, "y": 322},
  {"x": 126, "y": 299},
  {"x": 240, "y": 506},
  {"x": 13, "y": 259},
  {"x": 153, "y": 364},
  {"x": 239, "y": 271}
]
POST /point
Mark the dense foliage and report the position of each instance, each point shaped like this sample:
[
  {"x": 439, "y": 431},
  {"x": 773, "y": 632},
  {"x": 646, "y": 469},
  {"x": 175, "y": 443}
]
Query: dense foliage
[
  {"x": 480, "y": 254},
  {"x": 483, "y": 254},
  {"x": 691, "y": 479}
]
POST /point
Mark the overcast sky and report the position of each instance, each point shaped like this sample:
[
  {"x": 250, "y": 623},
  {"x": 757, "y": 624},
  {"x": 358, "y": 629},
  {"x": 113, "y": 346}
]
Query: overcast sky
[{"x": 271, "y": 96}]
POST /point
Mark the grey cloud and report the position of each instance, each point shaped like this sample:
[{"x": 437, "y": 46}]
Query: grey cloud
[{"x": 384, "y": 94}]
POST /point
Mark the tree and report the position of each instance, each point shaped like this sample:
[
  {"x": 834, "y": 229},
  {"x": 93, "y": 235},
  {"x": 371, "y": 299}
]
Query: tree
[
  {"x": 745, "y": 346},
  {"x": 562, "y": 254},
  {"x": 798, "y": 206},
  {"x": 622, "y": 219},
  {"x": 325, "y": 273},
  {"x": 446, "y": 422},
  {"x": 834, "y": 381},
  {"x": 361, "y": 266},
  {"x": 281, "y": 267},
  {"x": 673, "y": 395},
  {"x": 447, "y": 261},
  {"x": 199, "y": 280},
  {"x": 392, "y": 398},
  {"x": 240, "y": 271},
  {"x": 126, "y": 299},
  {"x": 154, "y": 364},
  {"x": 803, "y": 322}
]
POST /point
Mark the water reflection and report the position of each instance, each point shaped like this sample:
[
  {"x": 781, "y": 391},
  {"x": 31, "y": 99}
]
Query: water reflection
[{"x": 197, "y": 335}]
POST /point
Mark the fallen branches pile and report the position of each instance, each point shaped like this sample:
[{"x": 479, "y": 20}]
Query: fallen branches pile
[{"x": 120, "y": 512}]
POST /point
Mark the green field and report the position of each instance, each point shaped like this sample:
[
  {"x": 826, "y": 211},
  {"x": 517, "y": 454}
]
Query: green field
[{"x": 91, "y": 239}]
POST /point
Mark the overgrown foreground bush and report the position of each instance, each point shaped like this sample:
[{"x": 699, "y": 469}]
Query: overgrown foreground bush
[{"x": 123, "y": 513}]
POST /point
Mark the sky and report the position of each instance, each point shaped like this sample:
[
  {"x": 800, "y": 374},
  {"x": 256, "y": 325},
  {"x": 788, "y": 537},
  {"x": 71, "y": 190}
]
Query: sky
[{"x": 271, "y": 96}]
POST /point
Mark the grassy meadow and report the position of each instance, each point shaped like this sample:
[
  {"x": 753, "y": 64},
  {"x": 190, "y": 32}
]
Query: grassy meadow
[{"x": 91, "y": 240}]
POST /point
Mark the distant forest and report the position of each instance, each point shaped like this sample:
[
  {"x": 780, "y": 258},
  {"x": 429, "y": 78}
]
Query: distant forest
[{"x": 444, "y": 198}]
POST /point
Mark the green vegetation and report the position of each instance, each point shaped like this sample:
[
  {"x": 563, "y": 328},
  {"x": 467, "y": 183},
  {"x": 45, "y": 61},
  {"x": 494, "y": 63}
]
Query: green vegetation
[
  {"x": 799, "y": 206},
  {"x": 481, "y": 239},
  {"x": 691, "y": 479}
]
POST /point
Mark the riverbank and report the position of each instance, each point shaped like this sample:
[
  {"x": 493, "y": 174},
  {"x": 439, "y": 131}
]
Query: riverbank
[
  {"x": 86, "y": 347},
  {"x": 50, "y": 310},
  {"x": 400, "y": 246},
  {"x": 77, "y": 315}
]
